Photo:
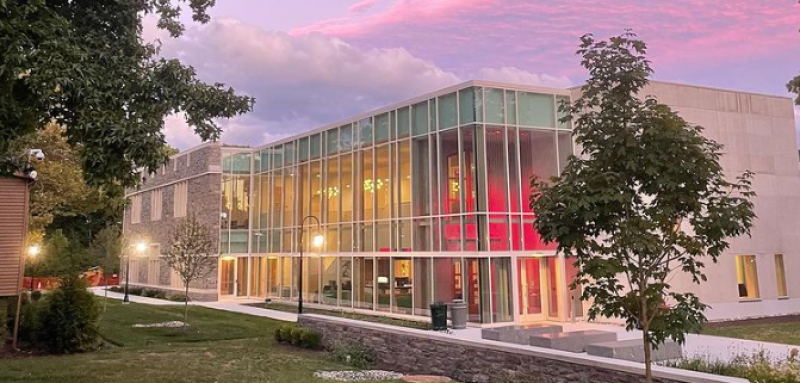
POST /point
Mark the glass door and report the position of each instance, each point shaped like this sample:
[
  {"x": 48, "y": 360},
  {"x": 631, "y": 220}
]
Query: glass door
[
  {"x": 227, "y": 276},
  {"x": 241, "y": 277},
  {"x": 553, "y": 294},
  {"x": 530, "y": 289}
]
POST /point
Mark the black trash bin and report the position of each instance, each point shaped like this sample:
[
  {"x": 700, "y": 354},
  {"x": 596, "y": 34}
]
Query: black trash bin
[{"x": 439, "y": 316}]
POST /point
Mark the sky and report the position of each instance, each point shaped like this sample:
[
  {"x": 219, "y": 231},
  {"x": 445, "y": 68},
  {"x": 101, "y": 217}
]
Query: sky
[{"x": 313, "y": 62}]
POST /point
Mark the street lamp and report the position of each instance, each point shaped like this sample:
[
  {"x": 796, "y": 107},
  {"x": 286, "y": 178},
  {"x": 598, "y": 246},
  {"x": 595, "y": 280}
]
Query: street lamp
[
  {"x": 140, "y": 247},
  {"x": 33, "y": 252},
  {"x": 317, "y": 242}
]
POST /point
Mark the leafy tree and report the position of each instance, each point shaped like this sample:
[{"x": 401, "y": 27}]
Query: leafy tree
[
  {"x": 85, "y": 66},
  {"x": 105, "y": 251},
  {"x": 192, "y": 254},
  {"x": 645, "y": 200},
  {"x": 60, "y": 198}
]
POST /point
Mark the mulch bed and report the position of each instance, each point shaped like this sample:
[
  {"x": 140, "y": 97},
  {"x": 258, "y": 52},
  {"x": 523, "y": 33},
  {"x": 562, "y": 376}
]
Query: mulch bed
[{"x": 755, "y": 321}]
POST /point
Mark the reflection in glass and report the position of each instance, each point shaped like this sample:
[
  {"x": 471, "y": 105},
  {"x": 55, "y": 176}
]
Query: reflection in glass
[
  {"x": 448, "y": 279},
  {"x": 364, "y": 277},
  {"x": 419, "y": 120},
  {"x": 311, "y": 275},
  {"x": 402, "y": 285},
  {"x": 345, "y": 281},
  {"x": 423, "y": 285},
  {"x": 384, "y": 286},
  {"x": 330, "y": 283},
  {"x": 502, "y": 302},
  {"x": 448, "y": 115}
]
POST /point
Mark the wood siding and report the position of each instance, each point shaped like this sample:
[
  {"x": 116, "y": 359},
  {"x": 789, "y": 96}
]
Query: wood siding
[{"x": 13, "y": 231}]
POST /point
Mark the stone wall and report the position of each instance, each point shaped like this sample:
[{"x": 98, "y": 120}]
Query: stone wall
[
  {"x": 413, "y": 351},
  {"x": 201, "y": 168}
]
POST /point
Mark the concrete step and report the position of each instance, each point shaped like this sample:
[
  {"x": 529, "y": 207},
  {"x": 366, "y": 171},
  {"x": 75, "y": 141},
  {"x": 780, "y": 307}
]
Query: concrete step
[
  {"x": 575, "y": 341},
  {"x": 519, "y": 334},
  {"x": 633, "y": 350}
]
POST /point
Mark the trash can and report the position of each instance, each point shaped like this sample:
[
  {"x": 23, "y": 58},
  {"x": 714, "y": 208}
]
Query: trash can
[
  {"x": 458, "y": 314},
  {"x": 439, "y": 316}
]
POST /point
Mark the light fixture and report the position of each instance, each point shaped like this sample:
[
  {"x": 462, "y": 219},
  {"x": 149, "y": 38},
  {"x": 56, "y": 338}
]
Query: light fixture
[
  {"x": 141, "y": 247},
  {"x": 318, "y": 240},
  {"x": 33, "y": 251}
]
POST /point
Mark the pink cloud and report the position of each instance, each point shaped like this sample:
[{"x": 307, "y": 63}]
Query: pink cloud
[
  {"x": 542, "y": 35},
  {"x": 362, "y": 6}
]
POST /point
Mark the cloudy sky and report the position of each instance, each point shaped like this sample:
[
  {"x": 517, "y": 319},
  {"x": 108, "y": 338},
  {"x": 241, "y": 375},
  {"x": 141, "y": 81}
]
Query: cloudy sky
[{"x": 312, "y": 62}]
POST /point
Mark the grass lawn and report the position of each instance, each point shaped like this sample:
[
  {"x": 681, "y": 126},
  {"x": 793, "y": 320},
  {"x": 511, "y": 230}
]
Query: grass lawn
[
  {"x": 776, "y": 331},
  {"x": 219, "y": 347}
]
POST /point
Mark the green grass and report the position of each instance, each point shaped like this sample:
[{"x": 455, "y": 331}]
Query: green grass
[
  {"x": 219, "y": 347},
  {"x": 785, "y": 333},
  {"x": 422, "y": 325}
]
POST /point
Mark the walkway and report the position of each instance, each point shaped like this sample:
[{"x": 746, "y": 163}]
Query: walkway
[{"x": 712, "y": 347}]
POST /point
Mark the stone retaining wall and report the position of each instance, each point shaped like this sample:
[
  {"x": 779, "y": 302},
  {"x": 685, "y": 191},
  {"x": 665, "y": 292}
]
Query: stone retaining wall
[{"x": 417, "y": 352}]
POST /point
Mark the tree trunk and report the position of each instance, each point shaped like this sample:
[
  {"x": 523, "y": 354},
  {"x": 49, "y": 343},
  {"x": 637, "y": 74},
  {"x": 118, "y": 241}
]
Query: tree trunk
[
  {"x": 648, "y": 359},
  {"x": 105, "y": 292},
  {"x": 186, "y": 307}
]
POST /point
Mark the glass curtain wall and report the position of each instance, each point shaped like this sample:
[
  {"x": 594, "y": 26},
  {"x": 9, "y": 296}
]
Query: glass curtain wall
[{"x": 449, "y": 175}]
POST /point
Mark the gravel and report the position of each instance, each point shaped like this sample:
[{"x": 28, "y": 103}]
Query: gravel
[
  {"x": 171, "y": 324},
  {"x": 358, "y": 376}
]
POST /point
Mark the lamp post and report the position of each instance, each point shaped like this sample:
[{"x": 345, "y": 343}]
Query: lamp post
[
  {"x": 141, "y": 247},
  {"x": 33, "y": 252},
  {"x": 317, "y": 242}
]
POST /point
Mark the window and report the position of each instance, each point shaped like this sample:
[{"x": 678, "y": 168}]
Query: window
[
  {"x": 780, "y": 274},
  {"x": 180, "y": 199},
  {"x": 153, "y": 270},
  {"x": 136, "y": 208},
  {"x": 747, "y": 276},
  {"x": 175, "y": 279},
  {"x": 156, "y": 200}
]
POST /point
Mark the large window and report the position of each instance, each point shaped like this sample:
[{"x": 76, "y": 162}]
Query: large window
[
  {"x": 402, "y": 285},
  {"x": 330, "y": 283},
  {"x": 364, "y": 278},
  {"x": 347, "y": 188},
  {"x": 384, "y": 284},
  {"x": 332, "y": 192},
  {"x": 747, "y": 277},
  {"x": 368, "y": 186},
  {"x": 780, "y": 276},
  {"x": 345, "y": 282},
  {"x": 382, "y": 186}
]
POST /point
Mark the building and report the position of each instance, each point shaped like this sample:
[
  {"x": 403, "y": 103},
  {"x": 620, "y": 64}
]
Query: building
[{"x": 427, "y": 200}]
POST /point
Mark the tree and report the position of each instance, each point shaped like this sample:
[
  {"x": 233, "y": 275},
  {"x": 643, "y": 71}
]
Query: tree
[
  {"x": 85, "y": 66},
  {"x": 61, "y": 199},
  {"x": 105, "y": 251},
  {"x": 645, "y": 200},
  {"x": 192, "y": 254}
]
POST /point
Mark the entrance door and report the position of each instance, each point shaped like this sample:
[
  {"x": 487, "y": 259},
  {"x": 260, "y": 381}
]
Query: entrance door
[
  {"x": 227, "y": 277},
  {"x": 241, "y": 277},
  {"x": 531, "y": 305}
]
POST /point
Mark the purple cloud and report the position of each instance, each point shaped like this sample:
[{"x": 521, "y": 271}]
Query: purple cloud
[{"x": 362, "y": 6}]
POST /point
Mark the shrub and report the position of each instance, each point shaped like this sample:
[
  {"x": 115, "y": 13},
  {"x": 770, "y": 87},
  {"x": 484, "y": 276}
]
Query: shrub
[
  {"x": 117, "y": 289},
  {"x": 3, "y": 320},
  {"x": 28, "y": 320},
  {"x": 135, "y": 291},
  {"x": 298, "y": 336},
  {"x": 177, "y": 298},
  {"x": 758, "y": 367},
  {"x": 36, "y": 295},
  {"x": 353, "y": 354},
  {"x": 160, "y": 295},
  {"x": 68, "y": 318}
]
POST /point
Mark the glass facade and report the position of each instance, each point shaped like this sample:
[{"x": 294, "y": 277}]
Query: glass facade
[{"x": 426, "y": 202}]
